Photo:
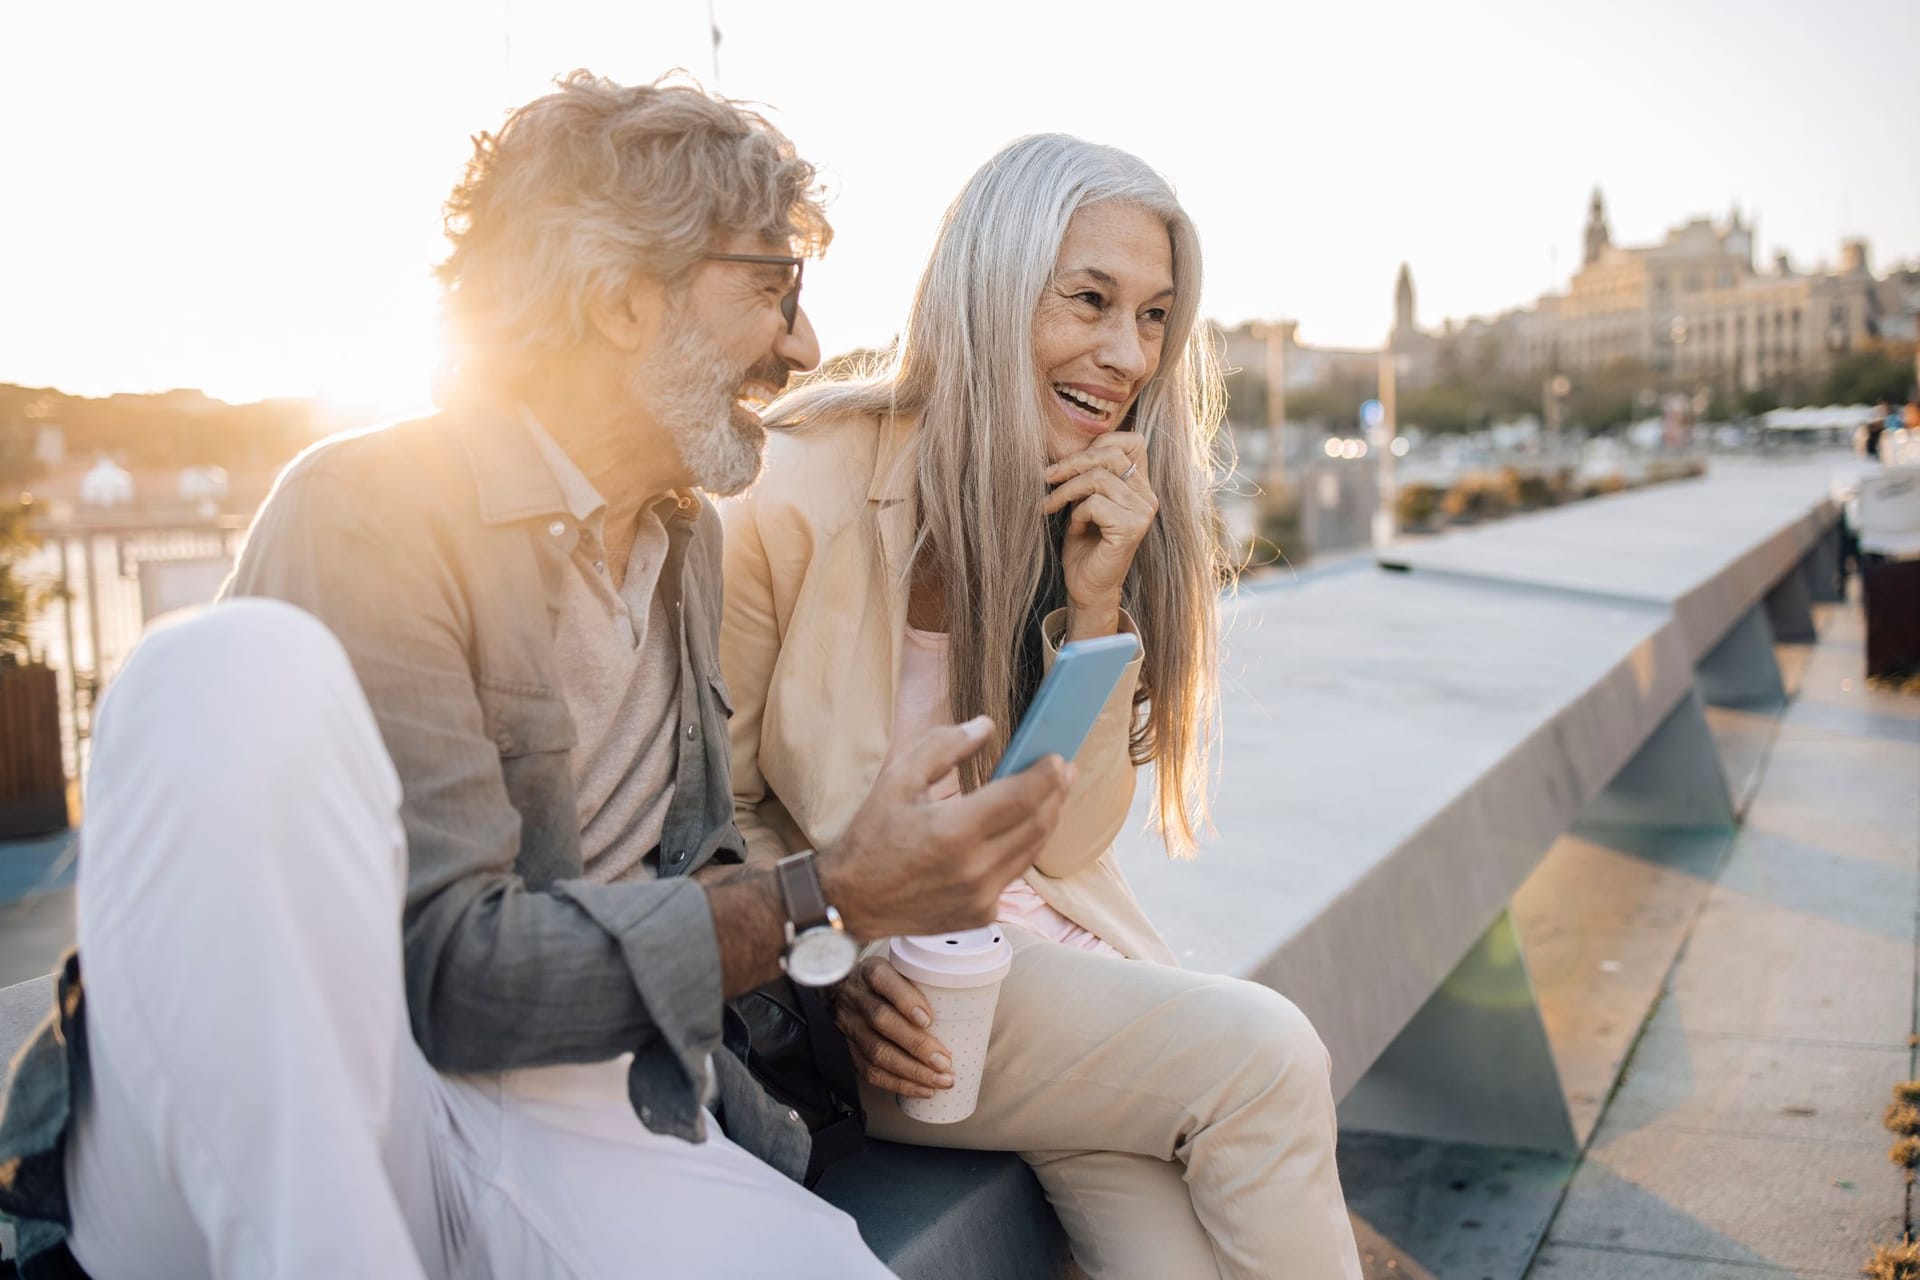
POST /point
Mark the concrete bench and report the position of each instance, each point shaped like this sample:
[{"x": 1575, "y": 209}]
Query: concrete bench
[
  {"x": 1401, "y": 749},
  {"x": 1737, "y": 556}
]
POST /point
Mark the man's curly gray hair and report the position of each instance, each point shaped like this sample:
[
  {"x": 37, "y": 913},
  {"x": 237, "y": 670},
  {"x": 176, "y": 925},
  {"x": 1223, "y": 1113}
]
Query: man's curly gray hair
[{"x": 593, "y": 183}]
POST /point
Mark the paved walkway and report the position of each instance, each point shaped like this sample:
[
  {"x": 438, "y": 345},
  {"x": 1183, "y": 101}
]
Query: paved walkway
[
  {"x": 1744, "y": 1138},
  {"x": 36, "y": 905}
]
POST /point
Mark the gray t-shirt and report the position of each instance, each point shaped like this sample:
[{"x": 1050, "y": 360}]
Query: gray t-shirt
[{"x": 620, "y": 660}]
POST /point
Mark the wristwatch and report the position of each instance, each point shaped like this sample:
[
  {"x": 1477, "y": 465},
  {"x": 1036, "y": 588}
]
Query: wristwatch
[{"x": 820, "y": 951}]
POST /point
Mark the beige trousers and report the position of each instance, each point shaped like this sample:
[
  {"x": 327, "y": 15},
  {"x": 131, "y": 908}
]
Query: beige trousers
[{"x": 1182, "y": 1124}]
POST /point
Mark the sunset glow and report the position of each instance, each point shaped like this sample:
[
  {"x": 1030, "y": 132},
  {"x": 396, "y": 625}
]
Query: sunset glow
[{"x": 246, "y": 198}]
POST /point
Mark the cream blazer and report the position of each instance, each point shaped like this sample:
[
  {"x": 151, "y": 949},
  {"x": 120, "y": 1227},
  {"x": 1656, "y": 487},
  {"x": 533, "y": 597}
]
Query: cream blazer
[{"x": 810, "y": 638}]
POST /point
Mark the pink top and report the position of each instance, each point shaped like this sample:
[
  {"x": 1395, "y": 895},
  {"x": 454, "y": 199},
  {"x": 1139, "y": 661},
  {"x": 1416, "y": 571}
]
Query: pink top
[{"x": 920, "y": 704}]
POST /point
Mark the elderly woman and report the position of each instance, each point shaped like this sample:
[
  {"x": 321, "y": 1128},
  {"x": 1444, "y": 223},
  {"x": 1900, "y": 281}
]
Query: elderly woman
[{"x": 1033, "y": 467}]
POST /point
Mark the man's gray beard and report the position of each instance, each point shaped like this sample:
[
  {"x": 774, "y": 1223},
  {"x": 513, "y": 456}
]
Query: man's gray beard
[{"x": 688, "y": 387}]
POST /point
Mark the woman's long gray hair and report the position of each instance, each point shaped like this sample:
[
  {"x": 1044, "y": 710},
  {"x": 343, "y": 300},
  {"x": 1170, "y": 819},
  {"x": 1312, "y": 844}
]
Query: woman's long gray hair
[{"x": 966, "y": 365}]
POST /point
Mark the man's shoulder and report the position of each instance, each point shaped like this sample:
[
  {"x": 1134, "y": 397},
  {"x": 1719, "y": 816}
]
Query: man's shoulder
[
  {"x": 409, "y": 455},
  {"x": 393, "y": 475}
]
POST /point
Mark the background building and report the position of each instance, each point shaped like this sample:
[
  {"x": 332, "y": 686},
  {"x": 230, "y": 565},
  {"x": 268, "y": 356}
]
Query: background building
[{"x": 1693, "y": 312}]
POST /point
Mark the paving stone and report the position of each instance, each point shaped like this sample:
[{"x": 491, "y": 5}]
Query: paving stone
[
  {"x": 34, "y": 934},
  {"x": 1754, "y": 968},
  {"x": 1601, "y": 921},
  {"x": 1447, "y": 1210},
  {"x": 1855, "y": 795},
  {"x": 1769, "y": 1088},
  {"x": 1808, "y": 1206},
  {"x": 1572, "y": 1262}
]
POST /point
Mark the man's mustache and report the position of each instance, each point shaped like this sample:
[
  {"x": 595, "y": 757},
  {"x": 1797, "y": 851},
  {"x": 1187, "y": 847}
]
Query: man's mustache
[{"x": 771, "y": 373}]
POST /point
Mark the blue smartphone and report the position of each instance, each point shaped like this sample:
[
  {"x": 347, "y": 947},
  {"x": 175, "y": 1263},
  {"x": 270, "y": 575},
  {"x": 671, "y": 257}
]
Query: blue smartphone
[{"x": 1068, "y": 701}]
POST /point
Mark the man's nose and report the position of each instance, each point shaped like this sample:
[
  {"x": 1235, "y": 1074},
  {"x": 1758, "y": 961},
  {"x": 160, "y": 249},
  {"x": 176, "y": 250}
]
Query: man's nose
[{"x": 799, "y": 350}]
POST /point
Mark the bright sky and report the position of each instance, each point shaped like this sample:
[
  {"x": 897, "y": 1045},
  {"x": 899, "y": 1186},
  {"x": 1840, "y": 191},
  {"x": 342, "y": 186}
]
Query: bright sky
[{"x": 243, "y": 195}]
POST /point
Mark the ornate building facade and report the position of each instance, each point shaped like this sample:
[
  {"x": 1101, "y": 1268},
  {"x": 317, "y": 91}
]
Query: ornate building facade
[
  {"x": 1692, "y": 310},
  {"x": 1695, "y": 307}
]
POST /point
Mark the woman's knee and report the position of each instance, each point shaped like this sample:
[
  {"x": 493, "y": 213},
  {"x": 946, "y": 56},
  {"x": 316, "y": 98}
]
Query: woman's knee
[{"x": 1266, "y": 1032}]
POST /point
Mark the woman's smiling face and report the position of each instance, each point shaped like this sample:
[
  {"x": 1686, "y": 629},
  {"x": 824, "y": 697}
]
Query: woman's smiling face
[{"x": 1102, "y": 321}]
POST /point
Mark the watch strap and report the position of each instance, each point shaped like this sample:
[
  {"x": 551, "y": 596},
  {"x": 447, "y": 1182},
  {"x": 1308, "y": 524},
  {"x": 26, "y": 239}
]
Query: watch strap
[{"x": 800, "y": 886}]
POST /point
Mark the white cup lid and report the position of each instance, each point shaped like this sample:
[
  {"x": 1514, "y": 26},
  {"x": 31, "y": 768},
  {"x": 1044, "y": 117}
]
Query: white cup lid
[{"x": 968, "y": 958}]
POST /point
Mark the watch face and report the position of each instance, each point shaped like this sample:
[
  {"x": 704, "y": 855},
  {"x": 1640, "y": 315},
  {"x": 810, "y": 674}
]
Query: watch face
[{"x": 821, "y": 956}]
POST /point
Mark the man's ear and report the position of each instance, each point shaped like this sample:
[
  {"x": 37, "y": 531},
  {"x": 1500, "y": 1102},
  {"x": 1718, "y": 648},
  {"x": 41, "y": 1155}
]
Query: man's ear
[{"x": 628, "y": 318}]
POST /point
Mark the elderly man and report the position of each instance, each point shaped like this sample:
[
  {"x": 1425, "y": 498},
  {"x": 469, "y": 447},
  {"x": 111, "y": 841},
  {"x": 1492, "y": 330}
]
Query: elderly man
[{"x": 422, "y": 982}]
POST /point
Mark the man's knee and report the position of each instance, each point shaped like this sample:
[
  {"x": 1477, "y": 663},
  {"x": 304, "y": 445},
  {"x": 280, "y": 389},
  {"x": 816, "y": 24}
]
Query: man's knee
[
  {"x": 247, "y": 696},
  {"x": 238, "y": 665}
]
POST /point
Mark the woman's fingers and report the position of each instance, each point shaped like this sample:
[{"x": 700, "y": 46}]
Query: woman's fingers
[
  {"x": 900, "y": 1064},
  {"x": 885, "y": 1080},
  {"x": 1121, "y": 452},
  {"x": 1101, "y": 514},
  {"x": 898, "y": 990},
  {"x": 885, "y": 1065},
  {"x": 1094, "y": 480}
]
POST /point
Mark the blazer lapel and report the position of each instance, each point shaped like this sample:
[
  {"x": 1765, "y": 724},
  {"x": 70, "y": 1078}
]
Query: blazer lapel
[{"x": 891, "y": 501}]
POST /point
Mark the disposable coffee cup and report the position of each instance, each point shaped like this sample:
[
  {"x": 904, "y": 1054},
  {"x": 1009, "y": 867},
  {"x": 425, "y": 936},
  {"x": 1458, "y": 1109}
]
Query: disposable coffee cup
[{"x": 960, "y": 974}]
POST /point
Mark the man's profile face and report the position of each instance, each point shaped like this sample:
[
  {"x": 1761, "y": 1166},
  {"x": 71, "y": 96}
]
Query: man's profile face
[{"x": 722, "y": 354}]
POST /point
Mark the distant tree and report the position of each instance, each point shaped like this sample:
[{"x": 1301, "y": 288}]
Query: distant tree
[
  {"x": 1883, "y": 372},
  {"x": 1247, "y": 399}
]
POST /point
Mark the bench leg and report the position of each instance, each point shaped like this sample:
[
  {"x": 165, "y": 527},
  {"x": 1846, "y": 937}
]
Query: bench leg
[
  {"x": 1741, "y": 670},
  {"x": 1674, "y": 782},
  {"x": 1822, "y": 568},
  {"x": 1474, "y": 1065},
  {"x": 1790, "y": 609}
]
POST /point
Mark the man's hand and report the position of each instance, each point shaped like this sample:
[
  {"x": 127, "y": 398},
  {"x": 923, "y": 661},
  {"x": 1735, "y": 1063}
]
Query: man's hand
[
  {"x": 884, "y": 1016},
  {"x": 912, "y": 864}
]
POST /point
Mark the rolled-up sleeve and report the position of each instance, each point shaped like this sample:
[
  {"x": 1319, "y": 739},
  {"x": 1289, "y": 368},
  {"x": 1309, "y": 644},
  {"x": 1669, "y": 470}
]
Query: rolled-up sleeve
[{"x": 498, "y": 975}]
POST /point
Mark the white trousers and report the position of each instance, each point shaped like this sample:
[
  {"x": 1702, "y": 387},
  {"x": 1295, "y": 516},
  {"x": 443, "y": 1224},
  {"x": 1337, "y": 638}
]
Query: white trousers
[{"x": 258, "y": 1106}]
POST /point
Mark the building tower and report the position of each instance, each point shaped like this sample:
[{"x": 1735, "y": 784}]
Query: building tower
[
  {"x": 1598, "y": 236},
  {"x": 1403, "y": 308}
]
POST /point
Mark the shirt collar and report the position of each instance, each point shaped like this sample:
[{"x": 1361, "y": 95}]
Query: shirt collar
[{"x": 582, "y": 501}]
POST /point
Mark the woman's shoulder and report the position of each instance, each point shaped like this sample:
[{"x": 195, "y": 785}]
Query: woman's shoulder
[{"x": 822, "y": 467}]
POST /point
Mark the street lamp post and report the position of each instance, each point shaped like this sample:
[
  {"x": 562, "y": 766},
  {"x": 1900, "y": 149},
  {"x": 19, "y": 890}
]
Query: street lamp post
[
  {"x": 1275, "y": 333},
  {"x": 1382, "y": 432}
]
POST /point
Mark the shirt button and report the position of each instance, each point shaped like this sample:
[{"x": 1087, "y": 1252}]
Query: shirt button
[
  {"x": 601, "y": 565},
  {"x": 558, "y": 528},
  {"x": 793, "y": 1117},
  {"x": 692, "y": 733}
]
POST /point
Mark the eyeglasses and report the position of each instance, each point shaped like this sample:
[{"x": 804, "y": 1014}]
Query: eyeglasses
[{"x": 790, "y": 304}]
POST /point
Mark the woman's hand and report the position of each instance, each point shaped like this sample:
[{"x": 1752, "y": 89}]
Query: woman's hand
[
  {"x": 884, "y": 1016},
  {"x": 1113, "y": 504}
]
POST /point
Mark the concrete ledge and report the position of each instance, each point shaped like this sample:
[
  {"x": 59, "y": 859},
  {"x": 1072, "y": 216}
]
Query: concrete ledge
[
  {"x": 933, "y": 1214},
  {"x": 1399, "y": 753},
  {"x": 1708, "y": 549}
]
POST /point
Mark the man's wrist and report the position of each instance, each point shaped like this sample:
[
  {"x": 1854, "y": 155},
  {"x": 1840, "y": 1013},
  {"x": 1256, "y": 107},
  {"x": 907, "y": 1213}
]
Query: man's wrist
[
  {"x": 749, "y": 920},
  {"x": 838, "y": 886}
]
